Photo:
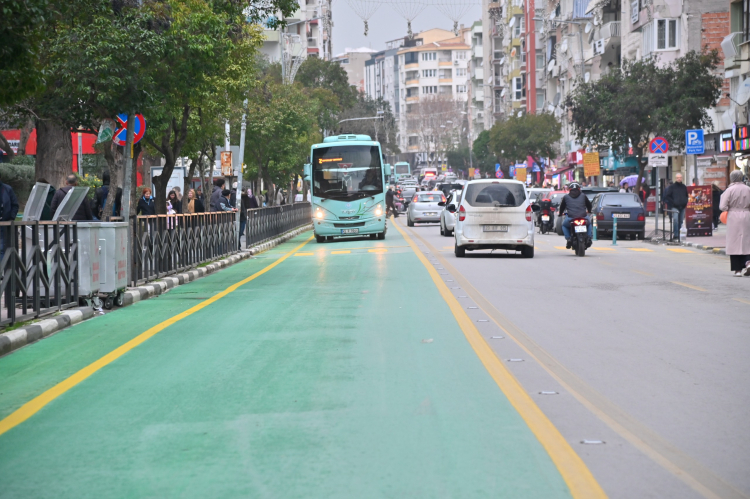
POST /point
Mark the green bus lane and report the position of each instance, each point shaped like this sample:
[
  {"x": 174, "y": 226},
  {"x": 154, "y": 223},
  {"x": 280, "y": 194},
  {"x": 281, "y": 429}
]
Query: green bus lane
[{"x": 340, "y": 372}]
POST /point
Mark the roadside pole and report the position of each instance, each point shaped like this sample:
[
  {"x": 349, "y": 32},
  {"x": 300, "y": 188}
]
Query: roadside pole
[
  {"x": 129, "y": 239},
  {"x": 238, "y": 172}
]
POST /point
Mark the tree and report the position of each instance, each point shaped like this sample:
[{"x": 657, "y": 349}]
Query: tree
[
  {"x": 640, "y": 100},
  {"x": 319, "y": 73},
  {"x": 530, "y": 135},
  {"x": 485, "y": 157},
  {"x": 381, "y": 128},
  {"x": 433, "y": 120}
]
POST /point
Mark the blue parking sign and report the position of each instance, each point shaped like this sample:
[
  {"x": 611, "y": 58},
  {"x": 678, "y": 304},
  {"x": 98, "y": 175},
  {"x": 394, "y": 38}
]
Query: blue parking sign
[{"x": 694, "y": 143}]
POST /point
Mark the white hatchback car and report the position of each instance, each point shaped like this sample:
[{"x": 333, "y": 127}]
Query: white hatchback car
[
  {"x": 448, "y": 215},
  {"x": 494, "y": 214}
]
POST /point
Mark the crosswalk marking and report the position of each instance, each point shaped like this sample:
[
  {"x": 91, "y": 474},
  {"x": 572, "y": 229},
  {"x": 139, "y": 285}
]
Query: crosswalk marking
[
  {"x": 303, "y": 254},
  {"x": 679, "y": 250},
  {"x": 602, "y": 249},
  {"x": 378, "y": 250},
  {"x": 640, "y": 249},
  {"x": 341, "y": 252}
]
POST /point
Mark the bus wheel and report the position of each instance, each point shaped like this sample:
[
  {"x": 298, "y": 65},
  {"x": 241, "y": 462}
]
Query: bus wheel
[
  {"x": 320, "y": 239},
  {"x": 381, "y": 235},
  {"x": 330, "y": 238},
  {"x": 373, "y": 236}
]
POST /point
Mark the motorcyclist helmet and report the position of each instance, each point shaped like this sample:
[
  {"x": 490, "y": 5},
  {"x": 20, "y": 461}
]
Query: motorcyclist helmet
[{"x": 574, "y": 185}]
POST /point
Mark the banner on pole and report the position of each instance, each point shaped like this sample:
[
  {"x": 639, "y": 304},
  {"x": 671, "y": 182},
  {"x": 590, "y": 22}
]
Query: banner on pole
[
  {"x": 226, "y": 163},
  {"x": 591, "y": 167},
  {"x": 699, "y": 212}
]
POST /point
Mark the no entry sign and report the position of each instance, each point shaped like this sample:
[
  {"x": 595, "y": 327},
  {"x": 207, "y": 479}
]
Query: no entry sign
[
  {"x": 121, "y": 134},
  {"x": 658, "y": 145}
]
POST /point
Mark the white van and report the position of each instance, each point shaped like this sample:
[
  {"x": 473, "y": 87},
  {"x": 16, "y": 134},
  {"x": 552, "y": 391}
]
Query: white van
[{"x": 494, "y": 214}]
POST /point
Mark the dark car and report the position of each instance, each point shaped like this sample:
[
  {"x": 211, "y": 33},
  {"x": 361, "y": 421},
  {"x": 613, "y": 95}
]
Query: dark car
[
  {"x": 626, "y": 207},
  {"x": 592, "y": 191}
]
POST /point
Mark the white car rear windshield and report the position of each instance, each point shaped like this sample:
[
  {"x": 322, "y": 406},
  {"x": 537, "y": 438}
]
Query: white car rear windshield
[
  {"x": 495, "y": 195},
  {"x": 430, "y": 198}
]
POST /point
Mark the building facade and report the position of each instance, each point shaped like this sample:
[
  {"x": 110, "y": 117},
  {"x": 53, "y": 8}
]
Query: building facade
[
  {"x": 308, "y": 33},
  {"x": 353, "y": 62}
]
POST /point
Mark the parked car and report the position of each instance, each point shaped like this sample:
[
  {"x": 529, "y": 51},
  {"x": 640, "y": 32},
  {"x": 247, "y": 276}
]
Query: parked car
[
  {"x": 424, "y": 207},
  {"x": 494, "y": 214},
  {"x": 626, "y": 207},
  {"x": 448, "y": 215}
]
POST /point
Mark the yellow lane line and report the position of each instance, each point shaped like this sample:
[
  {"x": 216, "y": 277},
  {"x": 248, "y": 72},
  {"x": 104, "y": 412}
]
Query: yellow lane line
[
  {"x": 641, "y": 249},
  {"x": 689, "y": 286},
  {"x": 560, "y": 247},
  {"x": 37, "y": 403},
  {"x": 448, "y": 247},
  {"x": 577, "y": 476},
  {"x": 365, "y": 247},
  {"x": 679, "y": 250},
  {"x": 303, "y": 254},
  {"x": 602, "y": 249},
  {"x": 641, "y": 272},
  {"x": 377, "y": 250},
  {"x": 340, "y": 252},
  {"x": 742, "y": 301}
]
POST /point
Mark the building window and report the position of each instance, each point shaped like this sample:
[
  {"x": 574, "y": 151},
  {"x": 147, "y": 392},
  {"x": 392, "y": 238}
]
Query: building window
[
  {"x": 460, "y": 54},
  {"x": 460, "y": 71},
  {"x": 429, "y": 89},
  {"x": 429, "y": 56},
  {"x": 429, "y": 73},
  {"x": 413, "y": 141},
  {"x": 539, "y": 60},
  {"x": 517, "y": 88},
  {"x": 460, "y": 89}
]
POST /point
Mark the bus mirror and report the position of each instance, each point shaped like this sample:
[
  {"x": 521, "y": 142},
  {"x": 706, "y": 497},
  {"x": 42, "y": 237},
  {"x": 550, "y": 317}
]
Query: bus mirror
[
  {"x": 307, "y": 172},
  {"x": 387, "y": 170}
]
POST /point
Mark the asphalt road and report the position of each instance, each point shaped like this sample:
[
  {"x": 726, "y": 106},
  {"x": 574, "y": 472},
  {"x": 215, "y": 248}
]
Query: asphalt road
[{"x": 645, "y": 346}]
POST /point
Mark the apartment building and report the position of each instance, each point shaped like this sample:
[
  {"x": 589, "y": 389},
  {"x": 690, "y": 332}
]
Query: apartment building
[
  {"x": 353, "y": 62},
  {"x": 478, "y": 83},
  {"x": 308, "y": 33}
]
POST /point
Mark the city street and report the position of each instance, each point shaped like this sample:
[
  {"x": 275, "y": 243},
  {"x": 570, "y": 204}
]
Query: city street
[{"x": 358, "y": 368}]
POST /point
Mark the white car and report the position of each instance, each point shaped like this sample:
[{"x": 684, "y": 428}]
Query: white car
[
  {"x": 448, "y": 216},
  {"x": 494, "y": 214},
  {"x": 425, "y": 207}
]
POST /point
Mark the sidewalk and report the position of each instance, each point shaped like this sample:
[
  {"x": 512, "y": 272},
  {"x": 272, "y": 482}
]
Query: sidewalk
[{"x": 715, "y": 242}]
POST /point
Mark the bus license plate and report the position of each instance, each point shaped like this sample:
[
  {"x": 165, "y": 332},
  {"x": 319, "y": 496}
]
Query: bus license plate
[
  {"x": 350, "y": 231},
  {"x": 495, "y": 228},
  {"x": 581, "y": 228},
  {"x": 545, "y": 218}
]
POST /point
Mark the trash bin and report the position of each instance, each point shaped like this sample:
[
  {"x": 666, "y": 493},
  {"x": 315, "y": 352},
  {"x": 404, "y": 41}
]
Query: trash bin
[
  {"x": 113, "y": 273},
  {"x": 89, "y": 263}
]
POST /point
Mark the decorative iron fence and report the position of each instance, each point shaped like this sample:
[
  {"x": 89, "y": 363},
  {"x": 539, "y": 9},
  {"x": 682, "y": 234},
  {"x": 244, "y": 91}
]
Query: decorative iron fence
[
  {"x": 167, "y": 244},
  {"x": 38, "y": 269},
  {"x": 265, "y": 223}
]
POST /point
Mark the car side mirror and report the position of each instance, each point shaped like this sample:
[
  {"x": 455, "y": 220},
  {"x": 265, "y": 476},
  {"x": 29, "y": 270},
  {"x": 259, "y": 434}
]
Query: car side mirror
[
  {"x": 307, "y": 172},
  {"x": 441, "y": 203},
  {"x": 536, "y": 208},
  {"x": 451, "y": 208}
]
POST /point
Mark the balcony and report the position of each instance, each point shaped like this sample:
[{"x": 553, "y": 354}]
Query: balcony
[
  {"x": 611, "y": 30},
  {"x": 731, "y": 48},
  {"x": 445, "y": 80},
  {"x": 414, "y": 98},
  {"x": 412, "y": 83},
  {"x": 478, "y": 74},
  {"x": 477, "y": 52},
  {"x": 479, "y": 95}
]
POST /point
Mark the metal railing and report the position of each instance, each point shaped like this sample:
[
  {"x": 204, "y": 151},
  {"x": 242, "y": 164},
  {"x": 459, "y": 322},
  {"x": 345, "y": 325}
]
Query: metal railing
[
  {"x": 38, "y": 269},
  {"x": 167, "y": 244},
  {"x": 265, "y": 223}
]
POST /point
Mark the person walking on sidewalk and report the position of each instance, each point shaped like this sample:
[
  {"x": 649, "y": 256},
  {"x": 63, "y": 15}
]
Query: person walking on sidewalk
[
  {"x": 676, "y": 198},
  {"x": 736, "y": 202},
  {"x": 716, "y": 193},
  {"x": 8, "y": 212}
]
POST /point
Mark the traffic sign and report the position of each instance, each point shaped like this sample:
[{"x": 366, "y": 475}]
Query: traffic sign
[
  {"x": 657, "y": 160},
  {"x": 499, "y": 173},
  {"x": 512, "y": 171},
  {"x": 658, "y": 145},
  {"x": 694, "y": 143},
  {"x": 121, "y": 134}
]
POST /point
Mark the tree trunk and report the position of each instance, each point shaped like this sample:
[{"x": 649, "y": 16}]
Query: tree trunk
[
  {"x": 25, "y": 134},
  {"x": 160, "y": 186},
  {"x": 5, "y": 146},
  {"x": 188, "y": 180},
  {"x": 305, "y": 191},
  {"x": 54, "y": 152},
  {"x": 271, "y": 192},
  {"x": 641, "y": 168},
  {"x": 295, "y": 179},
  {"x": 172, "y": 141},
  {"x": 115, "y": 159}
]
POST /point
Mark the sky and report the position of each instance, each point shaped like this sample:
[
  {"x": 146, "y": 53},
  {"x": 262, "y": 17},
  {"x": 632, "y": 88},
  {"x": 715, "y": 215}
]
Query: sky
[{"x": 386, "y": 24}]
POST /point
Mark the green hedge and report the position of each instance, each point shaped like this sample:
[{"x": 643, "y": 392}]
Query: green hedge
[{"x": 19, "y": 176}]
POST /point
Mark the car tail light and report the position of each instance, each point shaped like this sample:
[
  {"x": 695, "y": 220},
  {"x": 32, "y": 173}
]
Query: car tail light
[
  {"x": 414, "y": 199},
  {"x": 461, "y": 213},
  {"x": 528, "y": 213},
  {"x": 600, "y": 215},
  {"x": 443, "y": 199},
  {"x": 641, "y": 218}
]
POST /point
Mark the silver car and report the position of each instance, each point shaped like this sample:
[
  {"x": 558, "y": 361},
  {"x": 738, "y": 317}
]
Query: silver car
[
  {"x": 425, "y": 207},
  {"x": 448, "y": 217},
  {"x": 408, "y": 189}
]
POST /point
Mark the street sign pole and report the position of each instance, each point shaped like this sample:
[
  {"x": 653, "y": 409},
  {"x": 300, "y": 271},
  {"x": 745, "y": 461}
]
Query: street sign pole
[
  {"x": 126, "y": 192},
  {"x": 238, "y": 172}
]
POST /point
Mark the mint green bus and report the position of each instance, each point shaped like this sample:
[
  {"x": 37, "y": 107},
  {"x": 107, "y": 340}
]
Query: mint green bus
[
  {"x": 401, "y": 168},
  {"x": 347, "y": 176}
]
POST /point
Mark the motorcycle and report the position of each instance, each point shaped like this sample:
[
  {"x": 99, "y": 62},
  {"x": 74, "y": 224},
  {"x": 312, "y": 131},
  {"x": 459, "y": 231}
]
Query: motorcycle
[
  {"x": 546, "y": 216},
  {"x": 579, "y": 236}
]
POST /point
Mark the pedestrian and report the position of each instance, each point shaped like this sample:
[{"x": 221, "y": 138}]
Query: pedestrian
[
  {"x": 100, "y": 198},
  {"x": 624, "y": 187},
  {"x": 8, "y": 212},
  {"x": 244, "y": 205},
  {"x": 84, "y": 209},
  {"x": 224, "y": 204},
  {"x": 736, "y": 202},
  {"x": 676, "y": 198},
  {"x": 178, "y": 192},
  {"x": 216, "y": 194},
  {"x": 191, "y": 201},
  {"x": 47, "y": 210},
  {"x": 175, "y": 202},
  {"x": 146, "y": 204},
  {"x": 279, "y": 197},
  {"x": 716, "y": 193},
  {"x": 253, "y": 200},
  {"x": 644, "y": 194}
]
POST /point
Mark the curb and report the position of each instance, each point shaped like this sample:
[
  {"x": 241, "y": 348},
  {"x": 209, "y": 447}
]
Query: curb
[
  {"x": 13, "y": 340},
  {"x": 715, "y": 251}
]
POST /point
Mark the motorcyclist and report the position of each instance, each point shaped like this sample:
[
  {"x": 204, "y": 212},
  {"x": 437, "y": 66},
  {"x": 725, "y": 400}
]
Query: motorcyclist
[
  {"x": 389, "y": 204},
  {"x": 577, "y": 205}
]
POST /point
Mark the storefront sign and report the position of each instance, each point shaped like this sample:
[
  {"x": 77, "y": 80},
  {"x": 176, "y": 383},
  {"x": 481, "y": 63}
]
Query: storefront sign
[
  {"x": 725, "y": 142},
  {"x": 591, "y": 167},
  {"x": 226, "y": 163},
  {"x": 743, "y": 138},
  {"x": 703, "y": 162},
  {"x": 521, "y": 173},
  {"x": 698, "y": 213}
]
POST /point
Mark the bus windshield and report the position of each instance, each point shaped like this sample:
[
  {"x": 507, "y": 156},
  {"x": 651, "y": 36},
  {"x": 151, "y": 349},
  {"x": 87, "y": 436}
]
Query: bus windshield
[
  {"x": 402, "y": 169},
  {"x": 347, "y": 172}
]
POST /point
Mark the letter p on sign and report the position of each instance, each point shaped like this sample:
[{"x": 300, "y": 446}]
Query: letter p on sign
[{"x": 694, "y": 142}]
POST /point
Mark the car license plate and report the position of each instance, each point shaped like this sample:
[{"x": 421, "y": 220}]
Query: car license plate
[
  {"x": 350, "y": 231},
  {"x": 580, "y": 228},
  {"x": 430, "y": 214},
  {"x": 620, "y": 215},
  {"x": 545, "y": 218},
  {"x": 495, "y": 228}
]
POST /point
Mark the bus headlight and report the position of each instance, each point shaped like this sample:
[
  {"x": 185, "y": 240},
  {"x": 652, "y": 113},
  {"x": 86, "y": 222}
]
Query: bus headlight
[
  {"x": 378, "y": 211},
  {"x": 319, "y": 214}
]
